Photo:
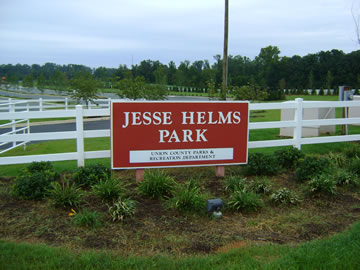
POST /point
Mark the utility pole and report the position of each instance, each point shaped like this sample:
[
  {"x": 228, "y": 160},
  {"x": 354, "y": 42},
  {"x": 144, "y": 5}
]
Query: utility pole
[{"x": 225, "y": 57}]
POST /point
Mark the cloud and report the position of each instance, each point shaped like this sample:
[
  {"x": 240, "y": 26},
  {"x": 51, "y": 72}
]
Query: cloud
[{"x": 169, "y": 30}]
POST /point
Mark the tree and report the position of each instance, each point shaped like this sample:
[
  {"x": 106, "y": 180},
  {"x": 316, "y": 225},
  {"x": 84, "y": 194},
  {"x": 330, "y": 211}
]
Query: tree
[
  {"x": 85, "y": 87},
  {"x": 41, "y": 82},
  {"x": 13, "y": 80},
  {"x": 211, "y": 89},
  {"x": 249, "y": 92},
  {"x": 160, "y": 76},
  {"x": 136, "y": 89},
  {"x": 329, "y": 80},
  {"x": 311, "y": 80},
  {"x": 28, "y": 81}
]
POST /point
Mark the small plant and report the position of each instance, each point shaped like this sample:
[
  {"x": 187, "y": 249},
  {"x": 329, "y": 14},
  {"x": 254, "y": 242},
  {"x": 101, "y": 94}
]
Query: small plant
[
  {"x": 65, "y": 194},
  {"x": 33, "y": 185},
  {"x": 91, "y": 175},
  {"x": 354, "y": 166},
  {"x": 260, "y": 185},
  {"x": 121, "y": 209},
  {"x": 284, "y": 196},
  {"x": 312, "y": 166},
  {"x": 39, "y": 167},
  {"x": 262, "y": 164},
  {"x": 234, "y": 183},
  {"x": 346, "y": 178},
  {"x": 86, "y": 218},
  {"x": 352, "y": 152},
  {"x": 109, "y": 189},
  {"x": 187, "y": 199},
  {"x": 338, "y": 160},
  {"x": 245, "y": 200},
  {"x": 157, "y": 184},
  {"x": 289, "y": 157},
  {"x": 321, "y": 184}
]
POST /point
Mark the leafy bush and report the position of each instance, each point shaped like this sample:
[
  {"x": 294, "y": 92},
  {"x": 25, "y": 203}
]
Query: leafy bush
[
  {"x": 234, "y": 183},
  {"x": 262, "y": 164},
  {"x": 33, "y": 182},
  {"x": 260, "y": 185},
  {"x": 39, "y": 167},
  {"x": 187, "y": 199},
  {"x": 346, "y": 178},
  {"x": 245, "y": 200},
  {"x": 321, "y": 184},
  {"x": 284, "y": 196},
  {"x": 156, "y": 184},
  {"x": 338, "y": 160},
  {"x": 289, "y": 157},
  {"x": 108, "y": 189},
  {"x": 121, "y": 209},
  {"x": 354, "y": 166},
  {"x": 65, "y": 194},
  {"x": 86, "y": 218},
  {"x": 352, "y": 152},
  {"x": 91, "y": 175},
  {"x": 312, "y": 166}
]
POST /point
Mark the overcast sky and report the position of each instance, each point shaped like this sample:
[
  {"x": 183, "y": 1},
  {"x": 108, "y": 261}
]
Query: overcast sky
[{"x": 113, "y": 32}]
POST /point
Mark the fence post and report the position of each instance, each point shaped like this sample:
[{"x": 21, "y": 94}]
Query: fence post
[
  {"x": 40, "y": 104},
  {"x": 9, "y": 102},
  {"x": 27, "y": 124},
  {"x": 80, "y": 136},
  {"x": 298, "y": 119},
  {"x": 13, "y": 124},
  {"x": 66, "y": 103}
]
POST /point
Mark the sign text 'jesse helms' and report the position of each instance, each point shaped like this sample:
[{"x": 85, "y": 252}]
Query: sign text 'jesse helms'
[{"x": 188, "y": 118}]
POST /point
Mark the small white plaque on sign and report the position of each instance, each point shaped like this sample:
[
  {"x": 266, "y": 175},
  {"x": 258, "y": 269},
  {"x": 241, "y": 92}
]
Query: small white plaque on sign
[{"x": 178, "y": 155}]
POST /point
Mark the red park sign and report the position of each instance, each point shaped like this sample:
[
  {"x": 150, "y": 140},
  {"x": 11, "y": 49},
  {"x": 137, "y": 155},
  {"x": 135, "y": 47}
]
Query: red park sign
[{"x": 175, "y": 134}]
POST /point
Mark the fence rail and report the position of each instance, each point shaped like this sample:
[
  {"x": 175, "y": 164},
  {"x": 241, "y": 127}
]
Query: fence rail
[{"x": 79, "y": 113}]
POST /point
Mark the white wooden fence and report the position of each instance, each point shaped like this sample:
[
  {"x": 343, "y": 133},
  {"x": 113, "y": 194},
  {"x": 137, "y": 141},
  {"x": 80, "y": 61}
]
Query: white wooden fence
[
  {"x": 79, "y": 113},
  {"x": 6, "y": 105}
]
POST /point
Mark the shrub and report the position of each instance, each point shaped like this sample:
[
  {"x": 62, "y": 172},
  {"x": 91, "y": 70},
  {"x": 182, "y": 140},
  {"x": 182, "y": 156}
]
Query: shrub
[
  {"x": 108, "y": 189},
  {"x": 289, "y": 157},
  {"x": 352, "y": 152},
  {"x": 346, "y": 178},
  {"x": 39, "y": 167},
  {"x": 91, "y": 175},
  {"x": 321, "y": 184},
  {"x": 312, "y": 166},
  {"x": 262, "y": 164},
  {"x": 187, "y": 199},
  {"x": 338, "y": 160},
  {"x": 234, "y": 183},
  {"x": 245, "y": 200},
  {"x": 354, "y": 166},
  {"x": 121, "y": 209},
  {"x": 86, "y": 218},
  {"x": 284, "y": 196},
  {"x": 33, "y": 185},
  {"x": 156, "y": 184},
  {"x": 260, "y": 185},
  {"x": 65, "y": 194}
]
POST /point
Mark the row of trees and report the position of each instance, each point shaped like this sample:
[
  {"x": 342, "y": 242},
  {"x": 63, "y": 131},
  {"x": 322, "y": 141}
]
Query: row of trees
[{"x": 267, "y": 71}]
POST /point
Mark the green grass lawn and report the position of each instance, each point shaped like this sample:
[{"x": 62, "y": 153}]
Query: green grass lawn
[{"x": 341, "y": 251}]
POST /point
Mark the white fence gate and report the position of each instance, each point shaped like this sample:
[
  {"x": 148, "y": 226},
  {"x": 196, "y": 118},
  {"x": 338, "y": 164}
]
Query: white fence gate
[{"x": 79, "y": 113}]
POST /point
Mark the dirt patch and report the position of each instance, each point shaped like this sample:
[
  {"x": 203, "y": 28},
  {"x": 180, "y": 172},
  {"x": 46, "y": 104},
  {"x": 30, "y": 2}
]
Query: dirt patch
[
  {"x": 157, "y": 230},
  {"x": 233, "y": 245}
]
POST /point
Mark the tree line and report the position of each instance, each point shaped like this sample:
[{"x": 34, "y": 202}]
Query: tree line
[{"x": 267, "y": 72}]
